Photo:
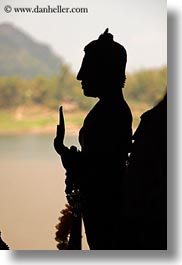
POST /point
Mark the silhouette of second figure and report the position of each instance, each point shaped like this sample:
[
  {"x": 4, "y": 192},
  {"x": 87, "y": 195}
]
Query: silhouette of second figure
[{"x": 105, "y": 140}]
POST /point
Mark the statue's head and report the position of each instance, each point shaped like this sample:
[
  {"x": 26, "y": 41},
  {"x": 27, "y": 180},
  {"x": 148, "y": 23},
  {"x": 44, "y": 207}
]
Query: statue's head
[{"x": 103, "y": 66}]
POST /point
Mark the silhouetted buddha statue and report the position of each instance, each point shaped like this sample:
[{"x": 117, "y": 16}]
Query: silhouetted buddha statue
[{"x": 105, "y": 140}]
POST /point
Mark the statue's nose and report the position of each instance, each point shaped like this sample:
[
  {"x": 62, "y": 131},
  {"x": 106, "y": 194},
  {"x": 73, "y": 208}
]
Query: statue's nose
[{"x": 79, "y": 75}]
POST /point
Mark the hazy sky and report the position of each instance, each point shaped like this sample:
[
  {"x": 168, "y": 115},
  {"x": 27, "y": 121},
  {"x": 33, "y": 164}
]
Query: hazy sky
[{"x": 139, "y": 25}]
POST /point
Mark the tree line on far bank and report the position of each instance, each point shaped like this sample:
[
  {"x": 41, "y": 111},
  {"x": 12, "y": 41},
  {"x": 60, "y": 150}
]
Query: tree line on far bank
[{"x": 144, "y": 86}]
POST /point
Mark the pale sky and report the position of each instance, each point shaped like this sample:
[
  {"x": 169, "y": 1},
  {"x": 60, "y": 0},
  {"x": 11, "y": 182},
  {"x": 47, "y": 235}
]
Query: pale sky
[{"x": 139, "y": 25}]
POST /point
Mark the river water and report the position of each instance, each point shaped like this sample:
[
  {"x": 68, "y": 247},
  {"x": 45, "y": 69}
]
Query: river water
[{"x": 31, "y": 191}]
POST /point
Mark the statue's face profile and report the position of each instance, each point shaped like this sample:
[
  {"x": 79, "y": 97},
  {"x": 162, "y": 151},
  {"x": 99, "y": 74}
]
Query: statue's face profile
[
  {"x": 90, "y": 75},
  {"x": 103, "y": 67}
]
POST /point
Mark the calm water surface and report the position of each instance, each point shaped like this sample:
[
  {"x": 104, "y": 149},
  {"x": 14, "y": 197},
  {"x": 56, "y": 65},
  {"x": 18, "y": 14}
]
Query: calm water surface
[{"x": 31, "y": 191}]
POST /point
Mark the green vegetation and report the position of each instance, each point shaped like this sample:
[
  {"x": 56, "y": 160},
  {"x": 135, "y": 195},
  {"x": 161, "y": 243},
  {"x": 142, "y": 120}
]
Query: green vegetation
[
  {"x": 146, "y": 86},
  {"x": 42, "y": 90},
  {"x": 144, "y": 89},
  {"x": 27, "y": 104}
]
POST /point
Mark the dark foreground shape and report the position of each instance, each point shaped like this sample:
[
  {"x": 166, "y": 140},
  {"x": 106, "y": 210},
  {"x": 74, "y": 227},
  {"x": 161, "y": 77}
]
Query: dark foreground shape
[
  {"x": 145, "y": 187},
  {"x": 3, "y": 245}
]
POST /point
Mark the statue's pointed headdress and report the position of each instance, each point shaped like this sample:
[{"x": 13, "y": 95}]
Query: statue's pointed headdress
[{"x": 106, "y": 48}]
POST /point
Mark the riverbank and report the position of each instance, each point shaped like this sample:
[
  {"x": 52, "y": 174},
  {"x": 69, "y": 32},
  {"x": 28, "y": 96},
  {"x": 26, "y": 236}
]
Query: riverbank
[
  {"x": 40, "y": 120},
  {"x": 37, "y": 120}
]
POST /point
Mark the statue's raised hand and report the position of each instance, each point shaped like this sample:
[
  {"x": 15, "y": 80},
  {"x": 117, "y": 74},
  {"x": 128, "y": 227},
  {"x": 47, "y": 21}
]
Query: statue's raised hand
[
  {"x": 68, "y": 156},
  {"x": 59, "y": 140}
]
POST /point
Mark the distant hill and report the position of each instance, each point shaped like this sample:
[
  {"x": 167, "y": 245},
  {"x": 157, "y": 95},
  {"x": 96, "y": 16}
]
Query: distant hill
[{"x": 21, "y": 55}]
